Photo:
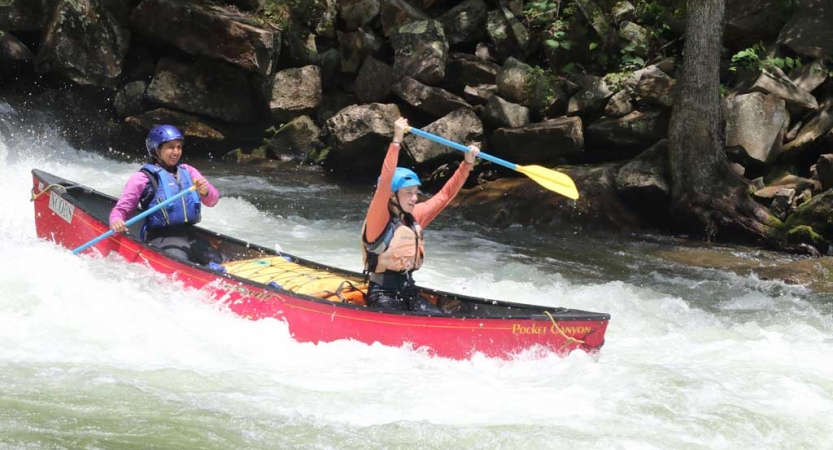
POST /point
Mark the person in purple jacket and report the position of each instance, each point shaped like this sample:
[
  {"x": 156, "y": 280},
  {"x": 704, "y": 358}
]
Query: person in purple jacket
[{"x": 170, "y": 228}]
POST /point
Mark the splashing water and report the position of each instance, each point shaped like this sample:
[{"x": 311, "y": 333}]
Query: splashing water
[{"x": 99, "y": 353}]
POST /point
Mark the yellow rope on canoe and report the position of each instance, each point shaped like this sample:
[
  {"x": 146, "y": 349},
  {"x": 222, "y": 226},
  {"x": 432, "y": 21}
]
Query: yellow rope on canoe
[
  {"x": 570, "y": 339},
  {"x": 45, "y": 190}
]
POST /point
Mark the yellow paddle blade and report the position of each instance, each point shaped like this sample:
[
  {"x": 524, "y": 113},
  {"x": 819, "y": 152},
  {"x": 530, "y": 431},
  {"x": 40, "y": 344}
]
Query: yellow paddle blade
[{"x": 550, "y": 179}]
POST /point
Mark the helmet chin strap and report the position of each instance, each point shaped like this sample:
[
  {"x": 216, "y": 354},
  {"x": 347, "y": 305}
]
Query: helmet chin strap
[
  {"x": 396, "y": 204},
  {"x": 406, "y": 216}
]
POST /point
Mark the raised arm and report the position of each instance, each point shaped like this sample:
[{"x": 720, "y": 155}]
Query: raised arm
[
  {"x": 428, "y": 210},
  {"x": 377, "y": 214}
]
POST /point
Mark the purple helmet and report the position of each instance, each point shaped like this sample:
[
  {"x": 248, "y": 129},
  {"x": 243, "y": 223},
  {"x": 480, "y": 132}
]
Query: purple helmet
[{"x": 161, "y": 134}]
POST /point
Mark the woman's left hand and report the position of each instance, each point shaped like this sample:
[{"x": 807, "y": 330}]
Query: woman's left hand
[{"x": 471, "y": 154}]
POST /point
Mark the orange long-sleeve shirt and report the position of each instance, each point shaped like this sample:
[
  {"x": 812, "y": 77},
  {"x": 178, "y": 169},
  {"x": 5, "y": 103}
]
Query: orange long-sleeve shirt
[{"x": 424, "y": 212}]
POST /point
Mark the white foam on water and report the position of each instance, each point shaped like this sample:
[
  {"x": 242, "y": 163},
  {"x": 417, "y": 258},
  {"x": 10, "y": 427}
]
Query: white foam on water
[{"x": 131, "y": 351}]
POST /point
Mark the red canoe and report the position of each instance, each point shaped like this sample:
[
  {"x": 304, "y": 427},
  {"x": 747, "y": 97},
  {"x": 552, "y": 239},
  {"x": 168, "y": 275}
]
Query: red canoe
[{"x": 327, "y": 303}]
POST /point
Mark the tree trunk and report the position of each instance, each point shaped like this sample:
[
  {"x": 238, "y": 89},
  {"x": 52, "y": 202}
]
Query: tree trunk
[{"x": 707, "y": 196}]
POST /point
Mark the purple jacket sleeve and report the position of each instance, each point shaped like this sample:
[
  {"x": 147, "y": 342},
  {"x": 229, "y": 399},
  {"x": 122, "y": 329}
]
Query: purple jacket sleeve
[
  {"x": 129, "y": 201},
  {"x": 213, "y": 194}
]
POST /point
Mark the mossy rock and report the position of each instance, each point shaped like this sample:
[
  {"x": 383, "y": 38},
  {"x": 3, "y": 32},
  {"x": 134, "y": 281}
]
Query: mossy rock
[{"x": 804, "y": 234}]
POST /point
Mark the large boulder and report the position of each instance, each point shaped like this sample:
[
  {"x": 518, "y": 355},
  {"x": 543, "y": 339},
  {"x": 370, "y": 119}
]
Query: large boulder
[
  {"x": 298, "y": 47},
  {"x": 15, "y": 57},
  {"x": 374, "y": 81},
  {"x": 294, "y": 92},
  {"x": 466, "y": 22},
  {"x": 468, "y": 70},
  {"x": 359, "y": 136},
  {"x": 296, "y": 140},
  {"x": 592, "y": 99},
  {"x": 626, "y": 136},
  {"x": 808, "y": 32},
  {"x": 202, "y": 136},
  {"x": 357, "y": 13},
  {"x": 644, "y": 179},
  {"x": 657, "y": 89},
  {"x": 130, "y": 99},
  {"x": 774, "y": 81},
  {"x": 460, "y": 126},
  {"x": 355, "y": 47},
  {"x": 22, "y": 15},
  {"x": 595, "y": 16},
  {"x": 514, "y": 80},
  {"x": 499, "y": 113},
  {"x": 539, "y": 142},
  {"x": 208, "y": 88},
  {"x": 420, "y": 51},
  {"x": 539, "y": 91},
  {"x": 810, "y": 76},
  {"x": 396, "y": 13},
  {"x": 520, "y": 201},
  {"x": 751, "y": 21},
  {"x": 480, "y": 94},
  {"x": 208, "y": 31},
  {"x": 755, "y": 124},
  {"x": 508, "y": 36},
  {"x": 434, "y": 101},
  {"x": 84, "y": 42},
  {"x": 812, "y": 132},
  {"x": 815, "y": 214}
]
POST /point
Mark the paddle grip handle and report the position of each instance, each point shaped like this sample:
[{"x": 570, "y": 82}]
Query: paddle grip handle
[
  {"x": 462, "y": 148},
  {"x": 133, "y": 220}
]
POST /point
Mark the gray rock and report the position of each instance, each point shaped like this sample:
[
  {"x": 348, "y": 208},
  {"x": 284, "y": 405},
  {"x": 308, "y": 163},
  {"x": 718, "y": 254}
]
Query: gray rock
[
  {"x": 207, "y": 87},
  {"x": 808, "y": 31},
  {"x": 460, "y": 126},
  {"x": 774, "y": 81},
  {"x": 754, "y": 123},
  {"x": 201, "y": 31},
  {"x": 539, "y": 142},
  {"x": 374, "y": 81},
  {"x": 466, "y": 22},
  {"x": 420, "y": 51},
  {"x": 355, "y": 47},
  {"x": 434, "y": 101},
  {"x": 812, "y": 132},
  {"x": 644, "y": 179},
  {"x": 619, "y": 105},
  {"x": 294, "y": 92},
  {"x": 499, "y": 113},
  {"x": 84, "y": 43},
  {"x": 358, "y": 13},
  {"x": 130, "y": 99},
  {"x": 296, "y": 140}
]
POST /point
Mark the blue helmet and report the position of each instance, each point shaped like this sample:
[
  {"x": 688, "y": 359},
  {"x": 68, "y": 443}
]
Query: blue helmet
[
  {"x": 161, "y": 134},
  {"x": 403, "y": 177}
]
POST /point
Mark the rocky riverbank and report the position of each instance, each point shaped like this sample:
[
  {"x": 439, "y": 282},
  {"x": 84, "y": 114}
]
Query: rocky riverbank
[{"x": 584, "y": 86}]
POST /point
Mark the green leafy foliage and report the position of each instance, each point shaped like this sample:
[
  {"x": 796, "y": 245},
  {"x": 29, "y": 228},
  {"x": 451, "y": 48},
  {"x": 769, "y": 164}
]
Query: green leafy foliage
[
  {"x": 541, "y": 90},
  {"x": 551, "y": 19},
  {"x": 752, "y": 59}
]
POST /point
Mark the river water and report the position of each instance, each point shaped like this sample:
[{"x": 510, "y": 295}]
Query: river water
[{"x": 97, "y": 353}]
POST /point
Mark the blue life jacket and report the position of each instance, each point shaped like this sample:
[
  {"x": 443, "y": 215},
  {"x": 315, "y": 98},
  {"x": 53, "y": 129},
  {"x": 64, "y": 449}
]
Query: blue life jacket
[{"x": 160, "y": 187}]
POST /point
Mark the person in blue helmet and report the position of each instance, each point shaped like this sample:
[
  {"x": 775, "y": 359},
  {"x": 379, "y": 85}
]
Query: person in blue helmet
[
  {"x": 170, "y": 228},
  {"x": 392, "y": 233}
]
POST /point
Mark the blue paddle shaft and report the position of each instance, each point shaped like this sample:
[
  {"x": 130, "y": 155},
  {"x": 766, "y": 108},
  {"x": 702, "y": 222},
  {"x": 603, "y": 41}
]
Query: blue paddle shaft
[
  {"x": 133, "y": 220},
  {"x": 462, "y": 148}
]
